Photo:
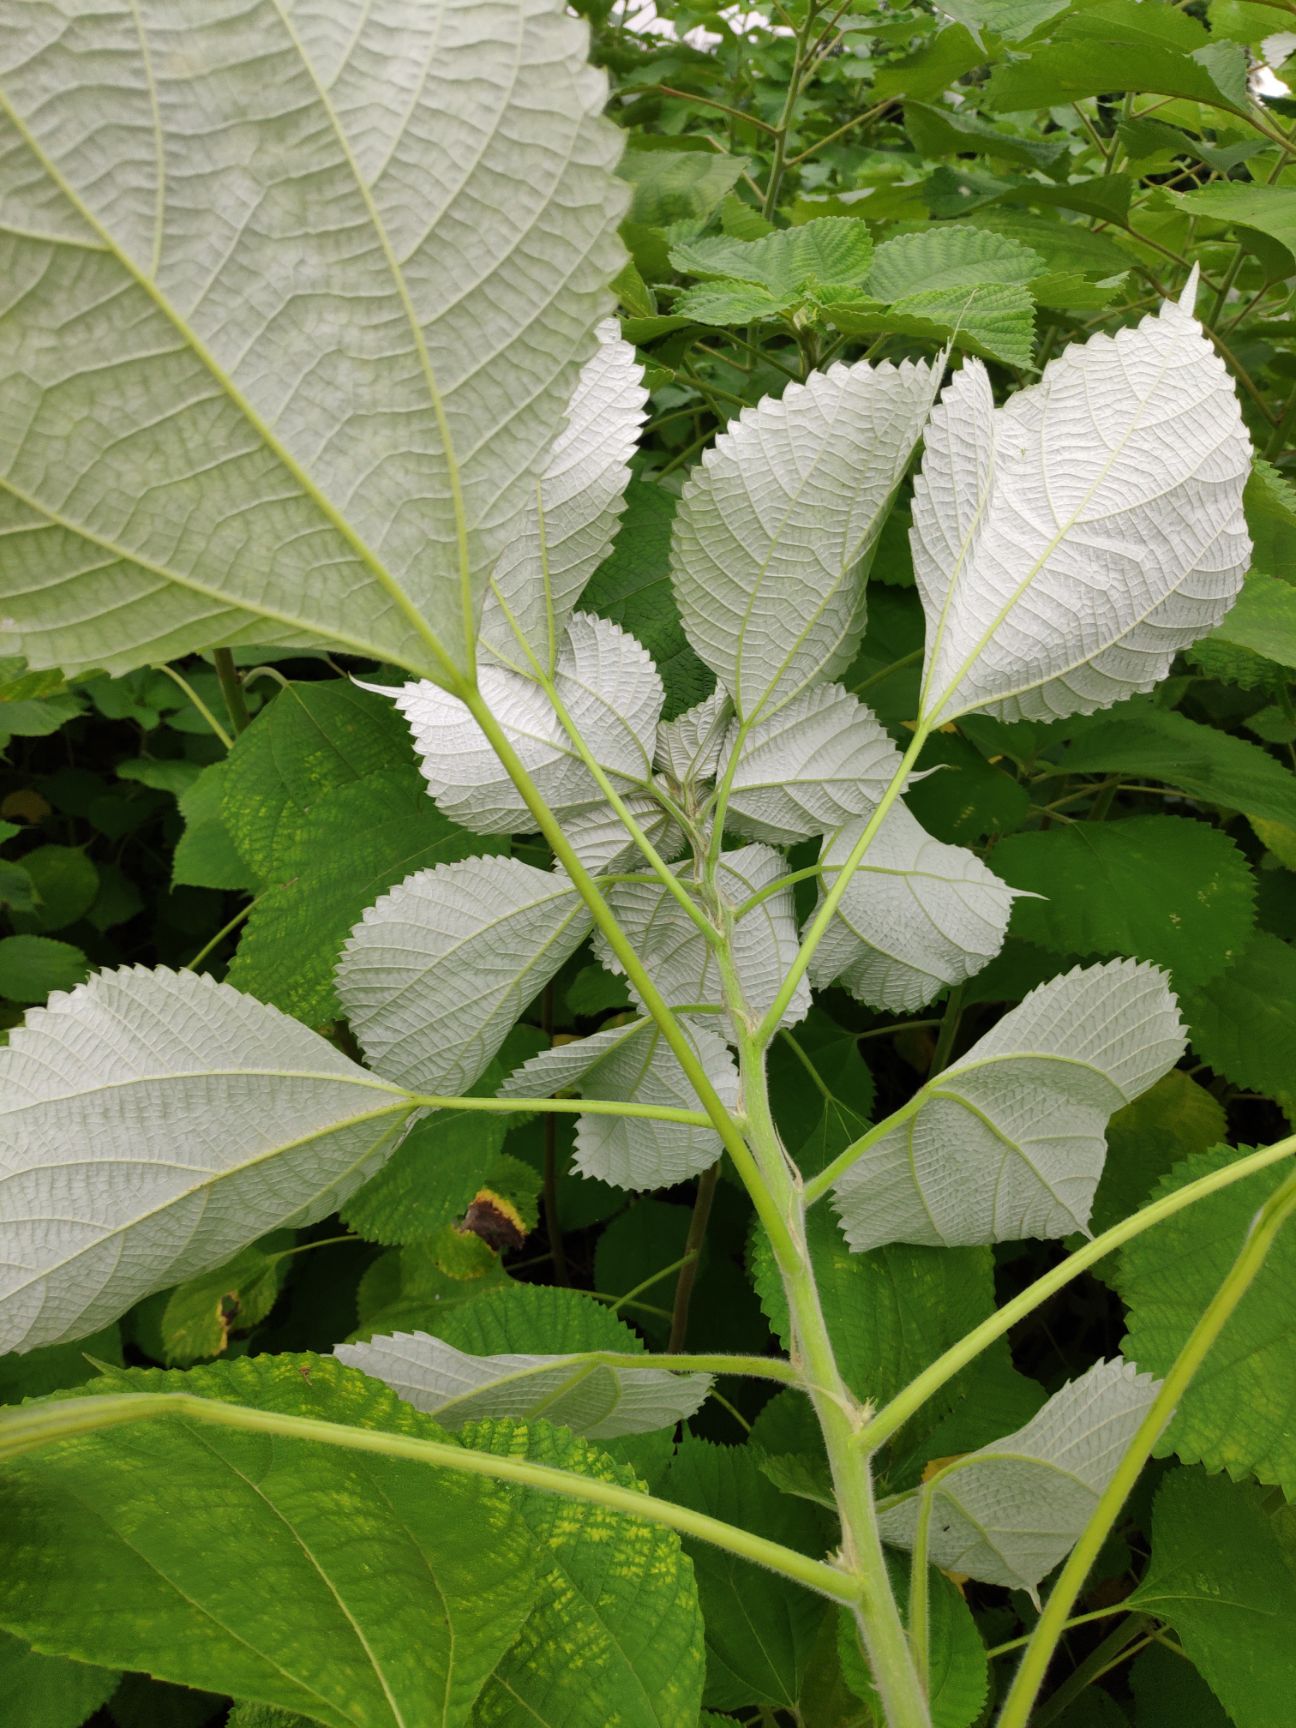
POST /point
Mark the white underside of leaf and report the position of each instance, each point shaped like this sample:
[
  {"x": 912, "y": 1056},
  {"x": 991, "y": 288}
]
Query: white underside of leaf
[
  {"x": 809, "y": 768},
  {"x": 917, "y": 915},
  {"x": 577, "y": 1392},
  {"x": 296, "y": 296},
  {"x": 775, "y": 525},
  {"x": 1068, "y": 544},
  {"x": 1010, "y": 1140},
  {"x": 690, "y": 746},
  {"x": 602, "y": 842},
  {"x": 1007, "y": 1513},
  {"x": 613, "y": 695},
  {"x": 633, "y": 1063},
  {"x": 561, "y": 540},
  {"x": 437, "y": 971},
  {"x": 152, "y": 1124},
  {"x": 677, "y": 956}
]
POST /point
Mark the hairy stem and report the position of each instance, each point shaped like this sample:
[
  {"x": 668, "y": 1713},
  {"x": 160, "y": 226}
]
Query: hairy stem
[
  {"x": 552, "y": 1215},
  {"x": 892, "y": 1416},
  {"x": 719, "y": 1117},
  {"x": 1275, "y": 1212},
  {"x": 692, "y": 1255},
  {"x": 30, "y": 1427}
]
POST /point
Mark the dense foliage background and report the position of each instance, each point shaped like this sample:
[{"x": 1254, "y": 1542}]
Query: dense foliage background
[{"x": 1018, "y": 174}]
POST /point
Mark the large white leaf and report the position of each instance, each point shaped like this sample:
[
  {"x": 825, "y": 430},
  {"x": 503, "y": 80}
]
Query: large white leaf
[
  {"x": 609, "y": 687},
  {"x": 566, "y": 533},
  {"x": 1068, "y": 544},
  {"x": 152, "y": 1124},
  {"x": 776, "y": 524},
  {"x": 1009, "y": 1141},
  {"x": 633, "y": 1064},
  {"x": 916, "y": 916},
  {"x": 680, "y": 961},
  {"x": 437, "y": 971},
  {"x": 578, "y": 1392},
  {"x": 1008, "y": 1512},
  {"x": 602, "y": 842},
  {"x": 809, "y": 768},
  {"x": 295, "y": 296}
]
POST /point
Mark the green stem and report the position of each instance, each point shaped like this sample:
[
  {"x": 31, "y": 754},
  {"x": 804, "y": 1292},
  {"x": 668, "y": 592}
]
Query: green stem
[
  {"x": 692, "y": 1255},
  {"x": 919, "y": 1594},
  {"x": 717, "y": 1114},
  {"x": 779, "y": 161},
  {"x": 231, "y": 690},
  {"x": 892, "y": 1416},
  {"x": 832, "y": 899},
  {"x": 840, "y": 1417},
  {"x": 26, "y": 1428},
  {"x": 198, "y": 703},
  {"x": 224, "y": 931},
  {"x": 818, "y": 1186},
  {"x": 561, "y": 1107},
  {"x": 552, "y": 1214},
  {"x": 1097, "y": 1663},
  {"x": 1275, "y": 1212},
  {"x": 948, "y": 1032}
]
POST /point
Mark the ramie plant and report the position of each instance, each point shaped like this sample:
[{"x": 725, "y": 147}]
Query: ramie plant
[{"x": 321, "y": 364}]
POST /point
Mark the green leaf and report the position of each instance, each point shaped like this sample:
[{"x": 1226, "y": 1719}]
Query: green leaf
[
  {"x": 760, "y": 1629},
  {"x": 1223, "y": 1574},
  {"x": 1267, "y": 210},
  {"x": 956, "y": 132},
  {"x": 616, "y": 1633},
  {"x": 50, "y": 1369},
  {"x": 930, "y": 69},
  {"x": 992, "y": 319},
  {"x": 949, "y": 255},
  {"x": 343, "y": 852},
  {"x": 309, "y": 529},
  {"x": 1270, "y": 504},
  {"x": 1159, "y": 888},
  {"x": 1094, "y": 54},
  {"x": 1239, "y": 1413},
  {"x": 1141, "y": 741},
  {"x": 429, "y": 1180},
  {"x": 65, "y": 884},
  {"x": 46, "y": 1691},
  {"x": 1169, "y": 1692},
  {"x": 833, "y": 251},
  {"x": 1244, "y": 1021},
  {"x": 16, "y": 890},
  {"x": 676, "y": 185},
  {"x": 364, "y": 1591},
  {"x": 957, "y": 1671},
  {"x": 1262, "y": 619},
  {"x": 310, "y": 740},
  {"x": 1169, "y": 1121},
  {"x": 725, "y": 303},
  {"x": 199, "y": 1316},
  {"x": 33, "y": 967},
  {"x": 632, "y": 588},
  {"x": 205, "y": 855}
]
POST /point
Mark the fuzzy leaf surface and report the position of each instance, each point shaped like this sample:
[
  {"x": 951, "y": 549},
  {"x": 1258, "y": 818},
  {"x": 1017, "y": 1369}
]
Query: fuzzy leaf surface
[
  {"x": 809, "y": 768},
  {"x": 1009, "y": 1140},
  {"x": 1006, "y": 1514},
  {"x": 1068, "y": 543},
  {"x": 565, "y": 535},
  {"x": 360, "y": 489},
  {"x": 776, "y": 524},
  {"x": 155, "y": 1123},
  {"x": 438, "y": 970},
  {"x": 916, "y": 915},
  {"x": 574, "y": 1392},
  {"x": 632, "y": 1063}
]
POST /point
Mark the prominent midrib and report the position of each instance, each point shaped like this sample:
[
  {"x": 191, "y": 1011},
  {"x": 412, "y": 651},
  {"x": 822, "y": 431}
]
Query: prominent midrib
[
  {"x": 1063, "y": 530},
  {"x": 363, "y": 551}
]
